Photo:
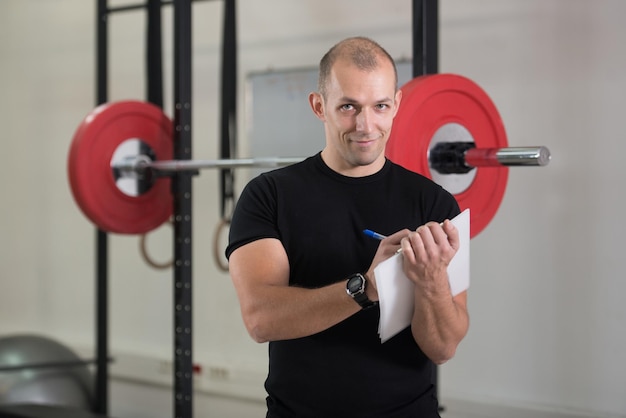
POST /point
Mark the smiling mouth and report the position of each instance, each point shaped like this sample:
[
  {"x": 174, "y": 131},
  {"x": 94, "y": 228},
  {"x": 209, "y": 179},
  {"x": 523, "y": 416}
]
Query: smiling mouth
[{"x": 364, "y": 140}]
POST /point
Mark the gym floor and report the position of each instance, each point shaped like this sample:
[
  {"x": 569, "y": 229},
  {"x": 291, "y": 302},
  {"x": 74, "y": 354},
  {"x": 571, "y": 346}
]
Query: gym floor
[
  {"x": 126, "y": 395},
  {"x": 464, "y": 409}
]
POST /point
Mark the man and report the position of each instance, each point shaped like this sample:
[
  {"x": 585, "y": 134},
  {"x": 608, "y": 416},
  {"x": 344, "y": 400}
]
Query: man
[{"x": 296, "y": 240}]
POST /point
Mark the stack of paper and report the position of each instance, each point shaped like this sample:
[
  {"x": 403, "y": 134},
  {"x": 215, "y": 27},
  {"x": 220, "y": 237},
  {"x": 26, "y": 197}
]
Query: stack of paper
[{"x": 395, "y": 290}]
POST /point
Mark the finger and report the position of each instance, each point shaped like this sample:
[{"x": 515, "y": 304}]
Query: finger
[
  {"x": 428, "y": 234},
  {"x": 452, "y": 234},
  {"x": 417, "y": 242},
  {"x": 438, "y": 233},
  {"x": 396, "y": 237},
  {"x": 406, "y": 247},
  {"x": 393, "y": 242}
]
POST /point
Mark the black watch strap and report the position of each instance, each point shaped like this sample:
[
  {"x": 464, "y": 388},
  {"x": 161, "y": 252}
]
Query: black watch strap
[{"x": 355, "y": 287}]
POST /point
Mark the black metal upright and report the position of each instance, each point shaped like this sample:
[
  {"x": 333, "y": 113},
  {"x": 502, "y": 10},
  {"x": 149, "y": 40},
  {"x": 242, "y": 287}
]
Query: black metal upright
[
  {"x": 154, "y": 53},
  {"x": 228, "y": 108},
  {"x": 182, "y": 188},
  {"x": 425, "y": 37},
  {"x": 426, "y": 60},
  {"x": 101, "y": 400}
]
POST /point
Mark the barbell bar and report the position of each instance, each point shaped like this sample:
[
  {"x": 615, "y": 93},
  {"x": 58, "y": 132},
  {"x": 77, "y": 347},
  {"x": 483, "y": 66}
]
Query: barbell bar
[
  {"x": 462, "y": 157},
  {"x": 448, "y": 161},
  {"x": 446, "y": 128},
  {"x": 142, "y": 163},
  {"x": 510, "y": 157}
]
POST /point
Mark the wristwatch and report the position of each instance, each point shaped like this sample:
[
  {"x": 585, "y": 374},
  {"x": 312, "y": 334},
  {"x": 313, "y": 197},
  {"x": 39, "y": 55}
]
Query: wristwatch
[{"x": 355, "y": 287}]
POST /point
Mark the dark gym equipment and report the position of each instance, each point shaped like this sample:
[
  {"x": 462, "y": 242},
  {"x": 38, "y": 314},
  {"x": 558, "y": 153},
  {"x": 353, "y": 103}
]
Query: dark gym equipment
[{"x": 40, "y": 377}]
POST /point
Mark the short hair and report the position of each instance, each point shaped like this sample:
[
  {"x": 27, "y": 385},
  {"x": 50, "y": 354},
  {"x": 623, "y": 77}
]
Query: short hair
[{"x": 360, "y": 51}]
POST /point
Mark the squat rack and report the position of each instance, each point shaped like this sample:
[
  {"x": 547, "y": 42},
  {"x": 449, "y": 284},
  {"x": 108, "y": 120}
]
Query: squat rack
[
  {"x": 181, "y": 181},
  {"x": 425, "y": 61}
]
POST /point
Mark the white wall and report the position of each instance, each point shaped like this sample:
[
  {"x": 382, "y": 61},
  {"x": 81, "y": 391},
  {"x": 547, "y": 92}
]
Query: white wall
[
  {"x": 547, "y": 274},
  {"x": 547, "y": 280}
]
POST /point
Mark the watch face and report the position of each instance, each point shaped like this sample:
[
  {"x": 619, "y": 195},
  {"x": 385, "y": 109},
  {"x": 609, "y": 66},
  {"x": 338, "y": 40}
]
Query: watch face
[{"x": 355, "y": 284}]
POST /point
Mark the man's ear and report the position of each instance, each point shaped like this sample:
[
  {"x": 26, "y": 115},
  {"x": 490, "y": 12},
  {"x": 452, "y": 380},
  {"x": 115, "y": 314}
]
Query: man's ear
[
  {"x": 397, "y": 101},
  {"x": 317, "y": 105}
]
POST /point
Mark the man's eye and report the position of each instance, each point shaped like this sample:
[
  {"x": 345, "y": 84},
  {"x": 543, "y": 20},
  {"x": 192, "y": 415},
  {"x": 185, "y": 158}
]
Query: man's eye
[
  {"x": 382, "y": 106},
  {"x": 347, "y": 107}
]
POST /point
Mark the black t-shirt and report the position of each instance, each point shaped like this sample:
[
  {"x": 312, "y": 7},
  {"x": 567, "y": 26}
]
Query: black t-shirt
[{"x": 319, "y": 216}]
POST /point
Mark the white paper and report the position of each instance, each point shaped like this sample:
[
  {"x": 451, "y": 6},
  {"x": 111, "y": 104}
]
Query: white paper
[{"x": 395, "y": 290}]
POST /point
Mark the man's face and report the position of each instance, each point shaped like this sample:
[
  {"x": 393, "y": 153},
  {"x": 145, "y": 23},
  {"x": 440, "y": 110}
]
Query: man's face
[{"x": 358, "y": 112}]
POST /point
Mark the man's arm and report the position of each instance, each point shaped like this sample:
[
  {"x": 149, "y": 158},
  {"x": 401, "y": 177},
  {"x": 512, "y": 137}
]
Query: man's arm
[
  {"x": 271, "y": 309},
  {"x": 440, "y": 321}
]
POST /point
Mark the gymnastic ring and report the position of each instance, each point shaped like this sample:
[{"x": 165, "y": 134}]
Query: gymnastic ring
[
  {"x": 148, "y": 259},
  {"x": 224, "y": 223}
]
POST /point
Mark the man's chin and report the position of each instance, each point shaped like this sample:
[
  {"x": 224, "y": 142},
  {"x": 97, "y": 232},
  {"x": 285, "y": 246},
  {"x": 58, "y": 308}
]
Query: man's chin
[{"x": 366, "y": 159}]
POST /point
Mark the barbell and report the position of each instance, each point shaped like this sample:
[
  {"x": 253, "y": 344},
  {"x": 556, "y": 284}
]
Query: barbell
[
  {"x": 447, "y": 128},
  {"x": 438, "y": 112}
]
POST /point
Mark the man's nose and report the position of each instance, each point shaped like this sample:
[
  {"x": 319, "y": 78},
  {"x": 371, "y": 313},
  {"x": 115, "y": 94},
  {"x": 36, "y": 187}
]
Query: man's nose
[{"x": 364, "y": 121}]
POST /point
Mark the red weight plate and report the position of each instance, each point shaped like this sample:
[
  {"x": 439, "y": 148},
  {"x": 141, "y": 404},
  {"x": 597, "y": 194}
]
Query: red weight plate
[
  {"x": 428, "y": 103},
  {"x": 90, "y": 174}
]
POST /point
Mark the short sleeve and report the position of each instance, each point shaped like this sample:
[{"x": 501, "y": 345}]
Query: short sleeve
[{"x": 255, "y": 214}]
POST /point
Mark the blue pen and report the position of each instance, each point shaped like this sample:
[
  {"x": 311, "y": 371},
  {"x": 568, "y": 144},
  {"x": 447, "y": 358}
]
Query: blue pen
[{"x": 373, "y": 234}]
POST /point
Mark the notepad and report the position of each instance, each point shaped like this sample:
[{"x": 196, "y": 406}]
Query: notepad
[{"x": 395, "y": 290}]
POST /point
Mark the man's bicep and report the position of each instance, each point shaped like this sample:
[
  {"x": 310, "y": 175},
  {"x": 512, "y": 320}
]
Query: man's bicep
[{"x": 260, "y": 262}]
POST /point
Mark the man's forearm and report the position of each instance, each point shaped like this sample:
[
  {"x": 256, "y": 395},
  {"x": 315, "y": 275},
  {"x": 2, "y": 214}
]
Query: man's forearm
[
  {"x": 439, "y": 324},
  {"x": 286, "y": 312}
]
